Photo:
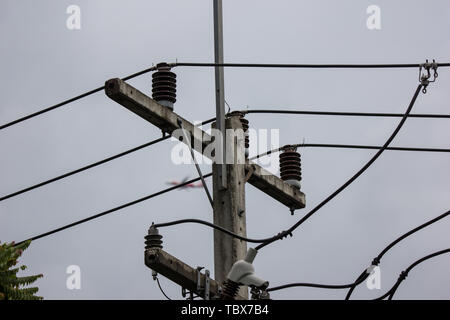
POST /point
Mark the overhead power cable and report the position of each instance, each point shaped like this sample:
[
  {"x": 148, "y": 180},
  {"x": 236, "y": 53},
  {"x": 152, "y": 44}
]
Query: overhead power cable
[
  {"x": 364, "y": 275},
  {"x": 303, "y": 66},
  {"x": 314, "y": 285},
  {"x": 235, "y": 65},
  {"x": 346, "y": 114},
  {"x": 404, "y": 274},
  {"x": 376, "y": 261},
  {"x": 263, "y": 242},
  {"x": 92, "y": 165},
  {"x": 63, "y": 103},
  {"x": 101, "y": 214},
  {"x": 350, "y": 146},
  {"x": 353, "y": 178}
]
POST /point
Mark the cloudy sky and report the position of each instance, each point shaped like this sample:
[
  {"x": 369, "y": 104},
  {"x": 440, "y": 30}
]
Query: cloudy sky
[{"x": 43, "y": 62}]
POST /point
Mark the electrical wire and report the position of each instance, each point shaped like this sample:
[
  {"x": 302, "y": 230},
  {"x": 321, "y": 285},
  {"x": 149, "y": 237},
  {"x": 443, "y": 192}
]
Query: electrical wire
[
  {"x": 73, "y": 224},
  {"x": 245, "y": 65},
  {"x": 65, "y": 102},
  {"x": 161, "y": 289},
  {"x": 263, "y": 242},
  {"x": 364, "y": 275},
  {"x": 92, "y": 165},
  {"x": 303, "y": 66},
  {"x": 351, "y": 146},
  {"x": 209, "y": 224},
  {"x": 376, "y": 261},
  {"x": 353, "y": 178},
  {"x": 313, "y": 285},
  {"x": 404, "y": 274},
  {"x": 346, "y": 114}
]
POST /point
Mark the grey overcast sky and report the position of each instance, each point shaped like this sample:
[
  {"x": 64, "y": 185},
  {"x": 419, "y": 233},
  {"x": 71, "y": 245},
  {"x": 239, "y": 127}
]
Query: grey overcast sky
[{"x": 43, "y": 62}]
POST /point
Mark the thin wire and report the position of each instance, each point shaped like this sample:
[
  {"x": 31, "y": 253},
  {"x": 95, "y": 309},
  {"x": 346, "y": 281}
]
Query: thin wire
[
  {"x": 353, "y": 178},
  {"x": 246, "y": 65},
  {"x": 83, "y": 95},
  {"x": 209, "y": 224},
  {"x": 346, "y": 114},
  {"x": 351, "y": 146},
  {"x": 92, "y": 165},
  {"x": 301, "y": 66},
  {"x": 405, "y": 273},
  {"x": 111, "y": 210},
  {"x": 377, "y": 259},
  {"x": 160, "y": 288},
  {"x": 199, "y": 171},
  {"x": 314, "y": 285},
  {"x": 364, "y": 275}
]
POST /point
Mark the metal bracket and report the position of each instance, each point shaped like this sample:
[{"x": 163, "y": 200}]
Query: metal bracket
[
  {"x": 203, "y": 289},
  {"x": 425, "y": 74}
]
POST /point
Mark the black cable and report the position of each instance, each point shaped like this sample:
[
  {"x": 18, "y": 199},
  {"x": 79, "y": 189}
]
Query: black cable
[
  {"x": 346, "y": 114},
  {"x": 209, "y": 224},
  {"x": 302, "y": 66},
  {"x": 162, "y": 291},
  {"x": 83, "y": 95},
  {"x": 92, "y": 165},
  {"x": 353, "y": 178},
  {"x": 390, "y": 293},
  {"x": 352, "y": 146},
  {"x": 112, "y": 210},
  {"x": 314, "y": 285},
  {"x": 246, "y": 65},
  {"x": 378, "y": 258},
  {"x": 364, "y": 275}
]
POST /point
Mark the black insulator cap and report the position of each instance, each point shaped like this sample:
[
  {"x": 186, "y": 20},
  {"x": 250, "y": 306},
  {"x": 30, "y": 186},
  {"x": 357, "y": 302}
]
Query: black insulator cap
[
  {"x": 153, "y": 238},
  {"x": 290, "y": 166},
  {"x": 164, "y": 84},
  {"x": 245, "y": 125}
]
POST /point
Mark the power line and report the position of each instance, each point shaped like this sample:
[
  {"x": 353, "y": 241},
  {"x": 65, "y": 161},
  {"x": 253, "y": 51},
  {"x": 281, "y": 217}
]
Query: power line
[
  {"x": 346, "y": 114},
  {"x": 263, "y": 242},
  {"x": 314, "y": 285},
  {"x": 92, "y": 165},
  {"x": 404, "y": 274},
  {"x": 351, "y": 146},
  {"x": 303, "y": 66},
  {"x": 354, "y": 177},
  {"x": 364, "y": 275},
  {"x": 73, "y": 224},
  {"x": 245, "y": 65},
  {"x": 83, "y": 95},
  {"x": 377, "y": 259},
  {"x": 161, "y": 289}
]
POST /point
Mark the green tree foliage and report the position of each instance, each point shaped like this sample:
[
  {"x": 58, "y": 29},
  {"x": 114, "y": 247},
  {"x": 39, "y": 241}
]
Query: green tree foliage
[{"x": 12, "y": 287}]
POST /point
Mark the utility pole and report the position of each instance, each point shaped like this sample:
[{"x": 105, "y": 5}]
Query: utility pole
[
  {"x": 229, "y": 208},
  {"x": 229, "y": 204},
  {"x": 228, "y": 180}
]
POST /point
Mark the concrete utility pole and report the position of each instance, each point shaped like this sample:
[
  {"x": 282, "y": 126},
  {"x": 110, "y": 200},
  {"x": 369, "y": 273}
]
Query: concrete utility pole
[
  {"x": 228, "y": 180},
  {"x": 229, "y": 209},
  {"x": 229, "y": 204}
]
